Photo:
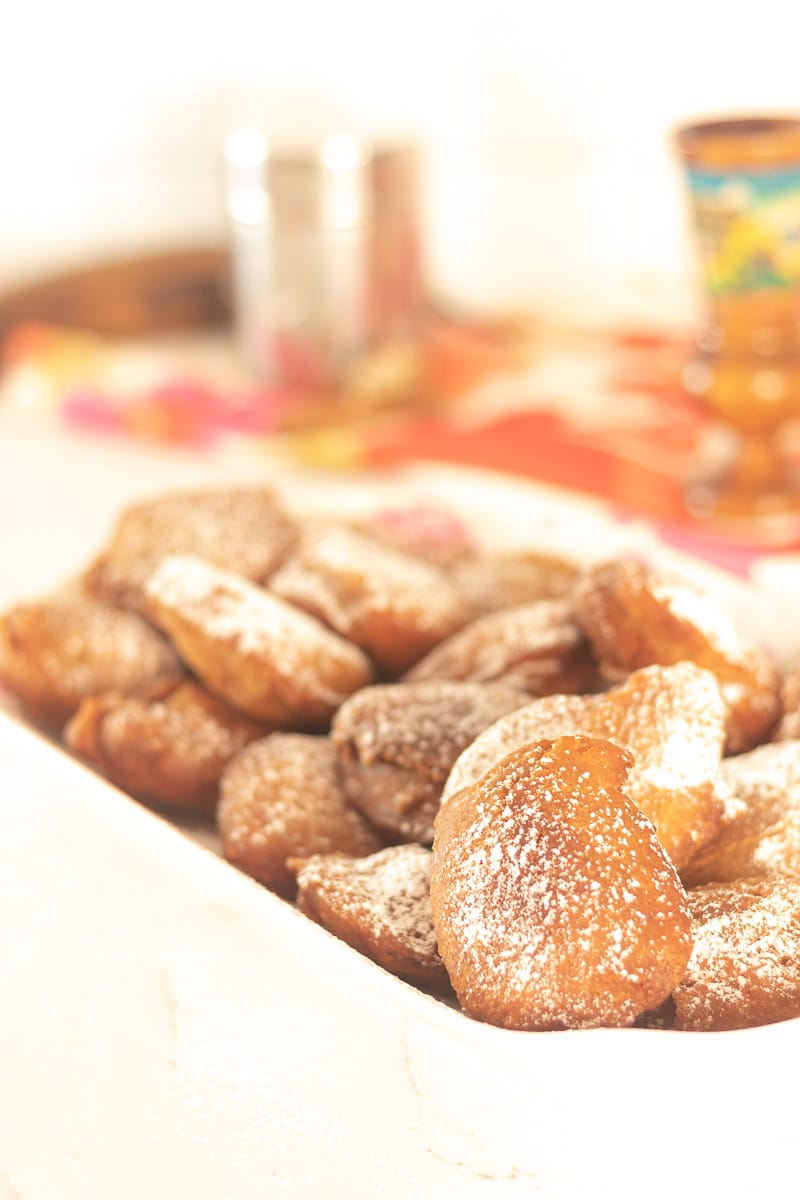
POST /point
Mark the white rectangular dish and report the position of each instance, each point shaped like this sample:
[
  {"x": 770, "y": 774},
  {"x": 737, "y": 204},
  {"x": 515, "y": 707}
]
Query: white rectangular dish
[{"x": 170, "y": 1028}]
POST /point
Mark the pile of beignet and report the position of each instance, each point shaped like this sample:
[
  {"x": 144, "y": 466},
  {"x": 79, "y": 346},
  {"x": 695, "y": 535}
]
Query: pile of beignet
[{"x": 559, "y": 795}]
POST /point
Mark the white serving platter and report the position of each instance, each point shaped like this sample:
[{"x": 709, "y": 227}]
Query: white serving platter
[{"x": 168, "y": 1028}]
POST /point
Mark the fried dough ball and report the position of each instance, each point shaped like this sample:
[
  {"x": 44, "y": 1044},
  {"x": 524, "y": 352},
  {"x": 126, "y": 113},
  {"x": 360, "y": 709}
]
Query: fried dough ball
[
  {"x": 635, "y": 616},
  {"x": 491, "y": 582},
  {"x": 398, "y": 741},
  {"x": 280, "y": 799},
  {"x": 380, "y": 906},
  {"x": 395, "y": 607},
  {"x": 546, "y": 717},
  {"x": 55, "y": 653},
  {"x": 745, "y": 965},
  {"x": 261, "y": 655},
  {"x": 789, "y": 725},
  {"x": 170, "y": 751},
  {"x": 760, "y": 833},
  {"x": 538, "y": 648},
  {"x": 554, "y": 905},
  {"x": 672, "y": 719},
  {"x": 244, "y": 530}
]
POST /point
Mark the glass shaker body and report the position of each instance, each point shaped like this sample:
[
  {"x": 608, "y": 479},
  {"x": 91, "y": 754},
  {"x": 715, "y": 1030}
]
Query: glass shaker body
[{"x": 319, "y": 275}]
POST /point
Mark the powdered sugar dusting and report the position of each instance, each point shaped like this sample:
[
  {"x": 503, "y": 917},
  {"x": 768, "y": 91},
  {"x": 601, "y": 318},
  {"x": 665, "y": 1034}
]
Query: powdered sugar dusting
[
  {"x": 249, "y": 645},
  {"x": 526, "y": 647},
  {"x": 244, "y": 530},
  {"x": 229, "y": 608},
  {"x": 380, "y": 905},
  {"x": 703, "y": 613},
  {"x": 504, "y": 580},
  {"x": 672, "y": 718},
  {"x": 171, "y": 751},
  {"x": 420, "y": 725},
  {"x": 280, "y": 798},
  {"x": 745, "y": 964},
  {"x": 343, "y": 576},
  {"x": 544, "y": 869},
  {"x": 390, "y": 891},
  {"x": 547, "y": 717},
  {"x": 766, "y": 784},
  {"x": 55, "y": 653}
]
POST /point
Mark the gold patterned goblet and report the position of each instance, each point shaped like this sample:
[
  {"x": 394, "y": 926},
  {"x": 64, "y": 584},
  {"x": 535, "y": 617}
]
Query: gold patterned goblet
[{"x": 743, "y": 181}]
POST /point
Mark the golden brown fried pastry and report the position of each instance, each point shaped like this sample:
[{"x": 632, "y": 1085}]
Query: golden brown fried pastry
[
  {"x": 672, "y": 719},
  {"x": 789, "y": 724},
  {"x": 55, "y": 653},
  {"x": 554, "y": 905},
  {"x": 263, "y": 656},
  {"x": 395, "y": 607},
  {"x": 244, "y": 530},
  {"x": 538, "y": 648},
  {"x": 397, "y": 743},
  {"x": 546, "y": 717},
  {"x": 635, "y": 616},
  {"x": 491, "y": 582},
  {"x": 380, "y": 906},
  {"x": 168, "y": 751},
  {"x": 280, "y": 799},
  {"x": 760, "y": 833},
  {"x": 745, "y": 965}
]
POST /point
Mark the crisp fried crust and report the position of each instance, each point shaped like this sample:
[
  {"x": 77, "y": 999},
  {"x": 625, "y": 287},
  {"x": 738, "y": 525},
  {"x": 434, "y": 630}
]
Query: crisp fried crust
[
  {"x": 170, "y": 751},
  {"x": 392, "y": 605},
  {"x": 554, "y": 905},
  {"x": 263, "y": 656},
  {"x": 745, "y": 965},
  {"x": 55, "y": 653},
  {"x": 635, "y": 616},
  {"x": 672, "y": 719},
  {"x": 380, "y": 905},
  {"x": 397, "y": 743},
  {"x": 538, "y": 648},
  {"x": 280, "y": 799},
  {"x": 244, "y": 530}
]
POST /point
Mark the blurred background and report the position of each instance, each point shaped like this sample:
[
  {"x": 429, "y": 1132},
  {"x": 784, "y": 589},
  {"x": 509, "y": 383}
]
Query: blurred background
[{"x": 546, "y": 127}]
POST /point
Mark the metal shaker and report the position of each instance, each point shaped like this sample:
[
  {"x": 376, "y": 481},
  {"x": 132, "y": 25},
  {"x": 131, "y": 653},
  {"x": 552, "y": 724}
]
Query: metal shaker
[{"x": 326, "y": 254}]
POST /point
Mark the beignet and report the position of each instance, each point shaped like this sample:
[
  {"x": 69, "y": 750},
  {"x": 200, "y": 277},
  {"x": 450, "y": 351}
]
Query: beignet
[
  {"x": 169, "y": 751},
  {"x": 280, "y": 799},
  {"x": 745, "y": 965},
  {"x": 538, "y": 648},
  {"x": 244, "y": 530},
  {"x": 395, "y": 607},
  {"x": 490, "y": 582},
  {"x": 554, "y": 905},
  {"x": 672, "y": 719},
  {"x": 56, "y": 653},
  {"x": 397, "y": 742},
  {"x": 636, "y": 616},
  {"x": 760, "y": 832},
  {"x": 263, "y": 656},
  {"x": 380, "y": 906}
]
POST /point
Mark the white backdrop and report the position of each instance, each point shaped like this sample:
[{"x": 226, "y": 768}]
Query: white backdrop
[{"x": 550, "y": 173}]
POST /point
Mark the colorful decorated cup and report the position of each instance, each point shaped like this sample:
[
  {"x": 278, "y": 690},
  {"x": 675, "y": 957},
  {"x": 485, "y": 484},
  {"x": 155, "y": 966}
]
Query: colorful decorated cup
[{"x": 743, "y": 182}]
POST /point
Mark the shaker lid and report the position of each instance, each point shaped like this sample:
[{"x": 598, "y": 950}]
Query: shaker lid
[{"x": 326, "y": 184}]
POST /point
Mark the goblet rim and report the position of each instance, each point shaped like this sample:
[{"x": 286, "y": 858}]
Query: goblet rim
[{"x": 745, "y": 139}]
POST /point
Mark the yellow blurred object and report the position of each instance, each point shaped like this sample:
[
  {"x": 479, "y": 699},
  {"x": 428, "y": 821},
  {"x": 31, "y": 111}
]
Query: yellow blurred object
[{"x": 337, "y": 447}]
